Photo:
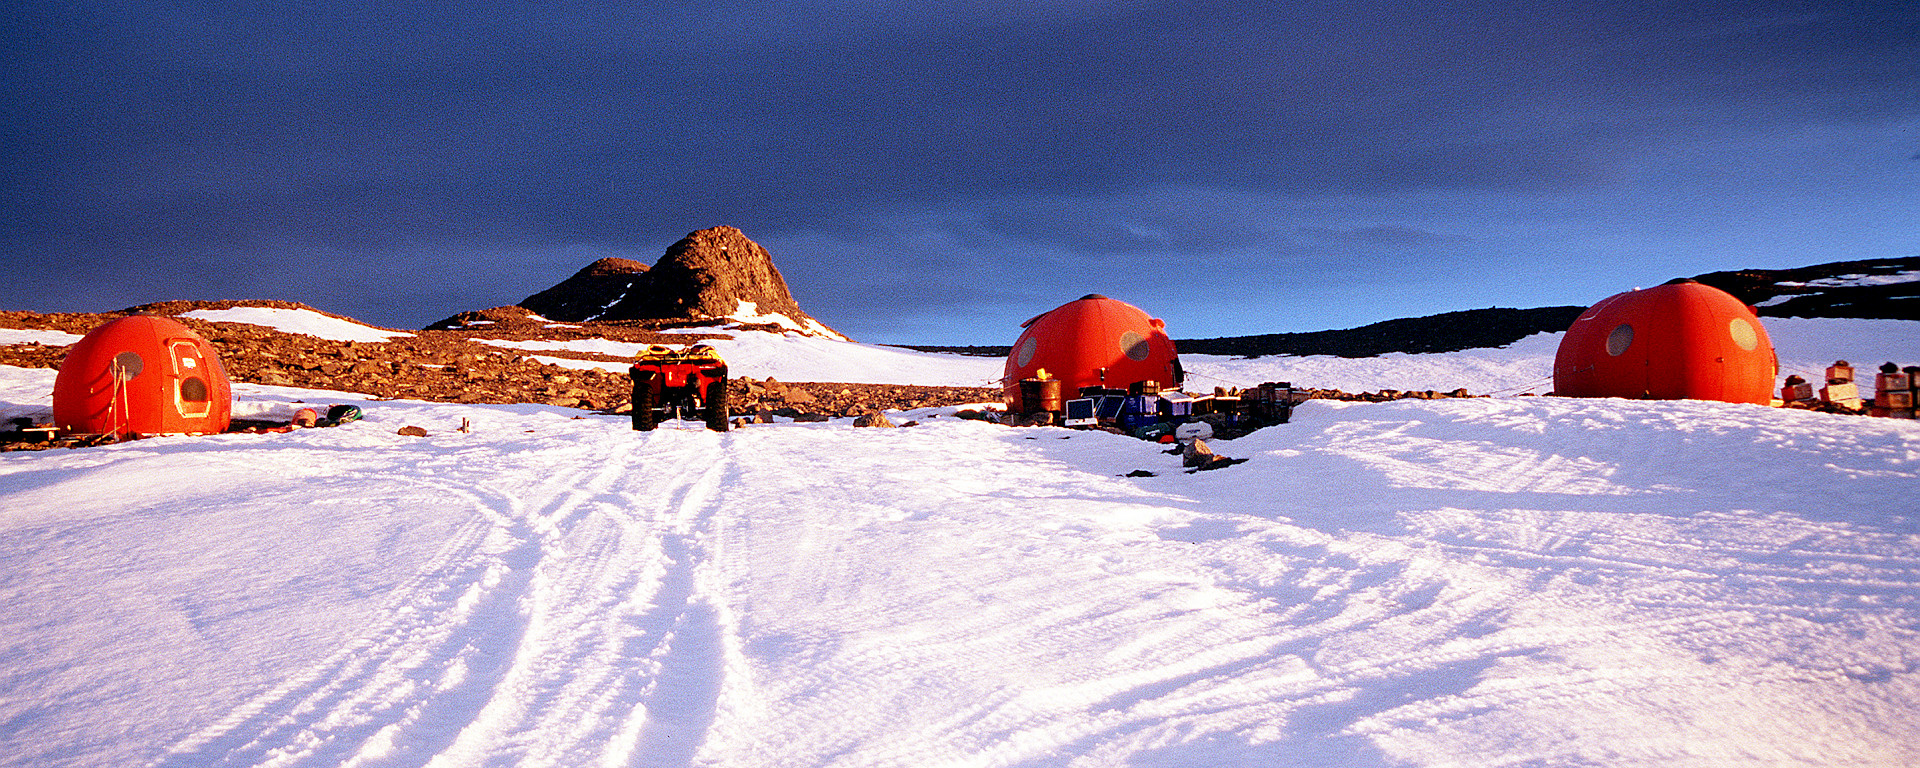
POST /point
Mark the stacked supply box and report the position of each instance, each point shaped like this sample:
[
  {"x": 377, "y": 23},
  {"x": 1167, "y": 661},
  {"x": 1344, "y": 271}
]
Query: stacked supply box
[
  {"x": 1272, "y": 401},
  {"x": 1176, "y": 407},
  {"x": 1893, "y": 392},
  {"x": 1797, "y": 390},
  {"x": 1840, "y": 389}
]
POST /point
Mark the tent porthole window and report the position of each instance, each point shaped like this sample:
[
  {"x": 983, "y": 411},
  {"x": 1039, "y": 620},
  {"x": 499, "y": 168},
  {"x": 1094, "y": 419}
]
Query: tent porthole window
[
  {"x": 1024, "y": 355},
  {"x": 1742, "y": 333},
  {"x": 127, "y": 365},
  {"x": 1134, "y": 345},
  {"x": 194, "y": 390},
  {"x": 1619, "y": 340}
]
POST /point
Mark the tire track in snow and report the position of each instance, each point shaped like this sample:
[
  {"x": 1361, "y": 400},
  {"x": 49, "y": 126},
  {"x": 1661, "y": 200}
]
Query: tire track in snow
[
  {"x": 913, "y": 614},
  {"x": 1621, "y": 591},
  {"x": 532, "y": 640},
  {"x": 321, "y": 715},
  {"x": 585, "y": 556},
  {"x": 682, "y": 639},
  {"x": 607, "y": 570}
]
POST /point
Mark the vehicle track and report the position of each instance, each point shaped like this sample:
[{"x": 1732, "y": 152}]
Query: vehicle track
[{"x": 537, "y": 635}]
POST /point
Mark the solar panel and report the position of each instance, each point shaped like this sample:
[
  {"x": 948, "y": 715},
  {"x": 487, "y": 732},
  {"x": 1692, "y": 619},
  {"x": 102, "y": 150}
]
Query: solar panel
[{"x": 1080, "y": 413}]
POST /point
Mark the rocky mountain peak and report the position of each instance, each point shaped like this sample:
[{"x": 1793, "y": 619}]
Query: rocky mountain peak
[
  {"x": 710, "y": 274},
  {"x": 590, "y": 292},
  {"x": 611, "y": 265}
]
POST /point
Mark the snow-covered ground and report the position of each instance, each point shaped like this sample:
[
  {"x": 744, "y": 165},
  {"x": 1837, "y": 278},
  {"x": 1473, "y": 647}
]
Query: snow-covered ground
[
  {"x": 30, "y": 336},
  {"x": 1856, "y": 280},
  {"x": 1486, "y": 582},
  {"x": 300, "y": 321}
]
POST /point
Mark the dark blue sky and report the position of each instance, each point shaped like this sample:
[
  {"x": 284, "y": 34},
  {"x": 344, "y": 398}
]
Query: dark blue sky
[{"x": 936, "y": 173}]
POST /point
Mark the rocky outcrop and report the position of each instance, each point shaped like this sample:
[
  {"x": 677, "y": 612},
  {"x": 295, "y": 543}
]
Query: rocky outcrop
[
  {"x": 590, "y": 293},
  {"x": 707, "y": 274},
  {"x": 710, "y": 274},
  {"x": 514, "y": 319}
]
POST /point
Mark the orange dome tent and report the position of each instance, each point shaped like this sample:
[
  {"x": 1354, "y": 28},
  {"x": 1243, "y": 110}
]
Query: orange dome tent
[
  {"x": 146, "y": 375},
  {"x": 1092, "y": 341},
  {"x": 1682, "y": 340}
]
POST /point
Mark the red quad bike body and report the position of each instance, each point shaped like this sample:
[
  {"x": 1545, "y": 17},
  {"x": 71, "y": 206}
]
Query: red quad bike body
[{"x": 673, "y": 383}]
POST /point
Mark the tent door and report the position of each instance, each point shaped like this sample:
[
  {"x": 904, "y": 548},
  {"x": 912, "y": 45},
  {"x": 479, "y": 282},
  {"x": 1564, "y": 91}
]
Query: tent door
[{"x": 191, "y": 394}]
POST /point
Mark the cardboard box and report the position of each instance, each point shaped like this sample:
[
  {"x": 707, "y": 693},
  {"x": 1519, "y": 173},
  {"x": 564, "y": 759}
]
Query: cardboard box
[{"x": 1846, "y": 394}]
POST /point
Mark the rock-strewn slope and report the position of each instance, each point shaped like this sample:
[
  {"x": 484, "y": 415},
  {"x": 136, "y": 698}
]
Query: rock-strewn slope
[
  {"x": 1882, "y": 289},
  {"x": 457, "y": 366}
]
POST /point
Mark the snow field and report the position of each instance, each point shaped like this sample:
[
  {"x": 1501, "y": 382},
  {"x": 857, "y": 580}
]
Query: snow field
[
  {"x": 10, "y": 336},
  {"x": 1485, "y": 582},
  {"x": 1526, "y": 581}
]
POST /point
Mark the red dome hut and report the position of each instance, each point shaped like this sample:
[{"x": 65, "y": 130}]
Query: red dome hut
[
  {"x": 1092, "y": 341},
  {"x": 141, "y": 374},
  {"x": 1682, "y": 340}
]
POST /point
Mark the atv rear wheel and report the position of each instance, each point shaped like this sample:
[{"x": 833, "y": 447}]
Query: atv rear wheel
[{"x": 716, "y": 402}]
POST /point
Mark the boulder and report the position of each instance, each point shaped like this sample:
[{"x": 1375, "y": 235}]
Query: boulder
[{"x": 1196, "y": 453}]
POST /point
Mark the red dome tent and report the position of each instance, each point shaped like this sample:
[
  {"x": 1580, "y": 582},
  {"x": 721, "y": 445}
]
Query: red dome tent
[
  {"x": 1682, "y": 340},
  {"x": 146, "y": 375},
  {"x": 1092, "y": 341}
]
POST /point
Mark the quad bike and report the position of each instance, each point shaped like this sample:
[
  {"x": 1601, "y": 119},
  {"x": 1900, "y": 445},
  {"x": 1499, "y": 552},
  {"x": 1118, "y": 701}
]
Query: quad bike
[{"x": 670, "y": 383}]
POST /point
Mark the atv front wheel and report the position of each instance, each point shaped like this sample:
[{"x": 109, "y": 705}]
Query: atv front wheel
[{"x": 643, "y": 404}]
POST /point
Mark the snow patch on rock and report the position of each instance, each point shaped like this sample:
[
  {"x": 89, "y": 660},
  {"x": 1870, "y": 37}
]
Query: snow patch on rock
[{"x": 298, "y": 321}]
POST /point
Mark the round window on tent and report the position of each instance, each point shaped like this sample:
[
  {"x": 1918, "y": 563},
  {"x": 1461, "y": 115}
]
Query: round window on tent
[
  {"x": 1619, "y": 340},
  {"x": 127, "y": 365},
  {"x": 1024, "y": 354},
  {"x": 1743, "y": 333},
  {"x": 1135, "y": 345},
  {"x": 194, "y": 390}
]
